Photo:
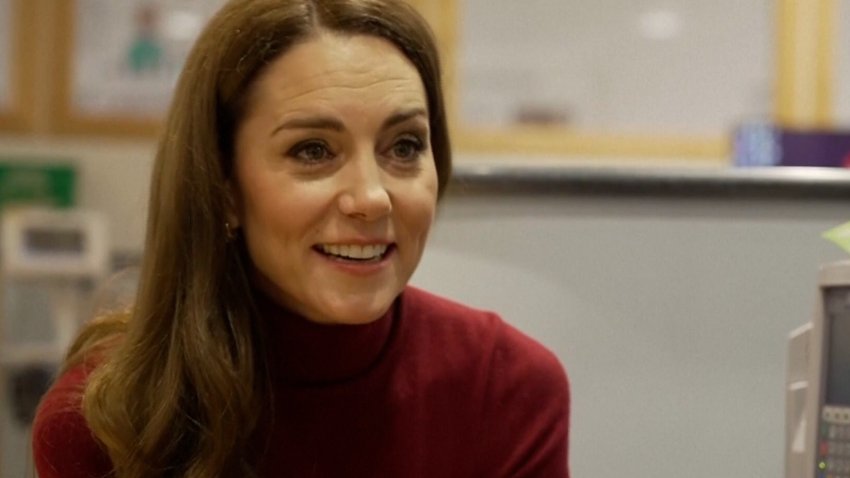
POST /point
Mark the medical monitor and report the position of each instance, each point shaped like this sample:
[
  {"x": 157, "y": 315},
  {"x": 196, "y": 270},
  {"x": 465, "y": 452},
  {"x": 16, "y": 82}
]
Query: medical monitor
[{"x": 818, "y": 428}]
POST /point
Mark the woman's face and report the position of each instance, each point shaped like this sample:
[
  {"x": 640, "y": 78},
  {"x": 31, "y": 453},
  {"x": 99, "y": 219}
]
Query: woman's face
[{"x": 335, "y": 185}]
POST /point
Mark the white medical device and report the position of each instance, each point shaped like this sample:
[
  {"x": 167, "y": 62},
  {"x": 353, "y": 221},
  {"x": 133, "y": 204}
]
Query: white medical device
[
  {"x": 50, "y": 263},
  {"x": 817, "y": 422},
  {"x": 51, "y": 256}
]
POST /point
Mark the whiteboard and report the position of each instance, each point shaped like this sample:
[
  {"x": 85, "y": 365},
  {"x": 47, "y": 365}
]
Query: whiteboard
[{"x": 674, "y": 67}]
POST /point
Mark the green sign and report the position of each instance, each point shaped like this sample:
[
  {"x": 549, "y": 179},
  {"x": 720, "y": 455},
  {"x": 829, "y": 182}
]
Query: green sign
[{"x": 30, "y": 182}]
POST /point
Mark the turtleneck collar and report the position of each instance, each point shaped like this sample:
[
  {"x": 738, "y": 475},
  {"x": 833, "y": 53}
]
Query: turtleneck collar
[{"x": 310, "y": 353}]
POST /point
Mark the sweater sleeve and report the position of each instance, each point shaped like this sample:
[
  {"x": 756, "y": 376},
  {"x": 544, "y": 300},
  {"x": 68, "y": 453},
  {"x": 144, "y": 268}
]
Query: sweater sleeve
[
  {"x": 62, "y": 443},
  {"x": 526, "y": 415}
]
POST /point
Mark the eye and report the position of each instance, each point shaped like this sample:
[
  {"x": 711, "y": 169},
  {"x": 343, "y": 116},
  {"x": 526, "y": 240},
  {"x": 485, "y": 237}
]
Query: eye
[
  {"x": 311, "y": 152},
  {"x": 408, "y": 148}
]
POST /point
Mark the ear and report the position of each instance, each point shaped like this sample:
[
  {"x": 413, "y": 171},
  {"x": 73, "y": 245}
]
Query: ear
[{"x": 232, "y": 205}]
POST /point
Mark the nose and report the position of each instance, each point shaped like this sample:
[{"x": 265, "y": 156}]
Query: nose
[{"x": 365, "y": 196}]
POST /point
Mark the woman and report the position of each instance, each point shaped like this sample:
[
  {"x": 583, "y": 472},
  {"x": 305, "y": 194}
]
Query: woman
[{"x": 274, "y": 333}]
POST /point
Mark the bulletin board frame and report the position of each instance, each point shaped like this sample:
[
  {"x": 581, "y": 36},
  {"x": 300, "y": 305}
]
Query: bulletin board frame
[
  {"x": 18, "y": 115},
  {"x": 445, "y": 19},
  {"x": 798, "y": 99},
  {"x": 66, "y": 116}
]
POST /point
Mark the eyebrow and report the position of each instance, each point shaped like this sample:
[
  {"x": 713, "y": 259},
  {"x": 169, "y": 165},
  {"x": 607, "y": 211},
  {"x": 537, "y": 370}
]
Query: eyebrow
[
  {"x": 403, "y": 116},
  {"x": 327, "y": 122}
]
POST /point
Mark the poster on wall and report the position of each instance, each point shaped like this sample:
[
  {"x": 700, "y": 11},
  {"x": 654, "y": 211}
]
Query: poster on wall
[
  {"x": 126, "y": 56},
  {"x": 6, "y": 29}
]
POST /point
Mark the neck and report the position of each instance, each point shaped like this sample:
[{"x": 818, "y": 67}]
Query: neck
[{"x": 304, "y": 352}]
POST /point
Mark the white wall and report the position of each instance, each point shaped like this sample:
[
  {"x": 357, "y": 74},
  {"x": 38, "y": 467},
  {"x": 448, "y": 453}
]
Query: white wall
[{"x": 670, "y": 316}]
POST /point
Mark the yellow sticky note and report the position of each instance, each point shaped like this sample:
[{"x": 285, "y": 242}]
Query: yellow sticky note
[{"x": 839, "y": 235}]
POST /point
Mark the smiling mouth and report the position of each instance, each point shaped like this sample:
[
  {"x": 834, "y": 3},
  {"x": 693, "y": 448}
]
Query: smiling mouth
[{"x": 355, "y": 252}]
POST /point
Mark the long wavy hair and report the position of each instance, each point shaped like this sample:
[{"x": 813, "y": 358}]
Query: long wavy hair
[{"x": 180, "y": 381}]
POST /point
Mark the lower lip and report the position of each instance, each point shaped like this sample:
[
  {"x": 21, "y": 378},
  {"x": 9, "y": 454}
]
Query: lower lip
[{"x": 359, "y": 268}]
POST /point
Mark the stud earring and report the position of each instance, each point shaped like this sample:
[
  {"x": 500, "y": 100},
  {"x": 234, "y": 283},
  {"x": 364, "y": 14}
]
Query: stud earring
[{"x": 229, "y": 233}]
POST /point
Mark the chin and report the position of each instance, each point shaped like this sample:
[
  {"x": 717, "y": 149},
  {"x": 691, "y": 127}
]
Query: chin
[
  {"x": 354, "y": 317},
  {"x": 359, "y": 311}
]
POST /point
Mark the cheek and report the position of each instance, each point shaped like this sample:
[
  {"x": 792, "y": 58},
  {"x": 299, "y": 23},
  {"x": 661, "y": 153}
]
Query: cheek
[
  {"x": 429, "y": 194},
  {"x": 274, "y": 199},
  {"x": 274, "y": 216},
  {"x": 417, "y": 207}
]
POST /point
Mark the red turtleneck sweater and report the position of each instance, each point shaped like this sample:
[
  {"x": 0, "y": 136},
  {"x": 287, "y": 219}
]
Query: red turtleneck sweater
[{"x": 432, "y": 389}]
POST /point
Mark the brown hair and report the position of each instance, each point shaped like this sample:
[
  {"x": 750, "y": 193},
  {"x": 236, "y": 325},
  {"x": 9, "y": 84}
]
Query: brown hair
[{"x": 180, "y": 390}]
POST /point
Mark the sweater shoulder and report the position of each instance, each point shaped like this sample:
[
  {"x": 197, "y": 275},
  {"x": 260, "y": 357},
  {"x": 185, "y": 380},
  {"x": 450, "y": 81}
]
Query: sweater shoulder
[
  {"x": 471, "y": 329},
  {"x": 431, "y": 307},
  {"x": 62, "y": 442},
  {"x": 449, "y": 321},
  {"x": 519, "y": 387}
]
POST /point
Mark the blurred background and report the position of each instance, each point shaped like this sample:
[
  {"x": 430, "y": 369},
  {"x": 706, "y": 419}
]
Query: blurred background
[{"x": 641, "y": 185}]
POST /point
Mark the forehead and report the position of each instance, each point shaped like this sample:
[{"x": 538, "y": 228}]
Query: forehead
[{"x": 337, "y": 69}]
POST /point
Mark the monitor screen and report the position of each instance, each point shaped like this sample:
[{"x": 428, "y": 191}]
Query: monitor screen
[{"x": 837, "y": 308}]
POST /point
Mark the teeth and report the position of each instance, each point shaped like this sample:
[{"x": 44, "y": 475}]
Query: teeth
[{"x": 354, "y": 251}]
